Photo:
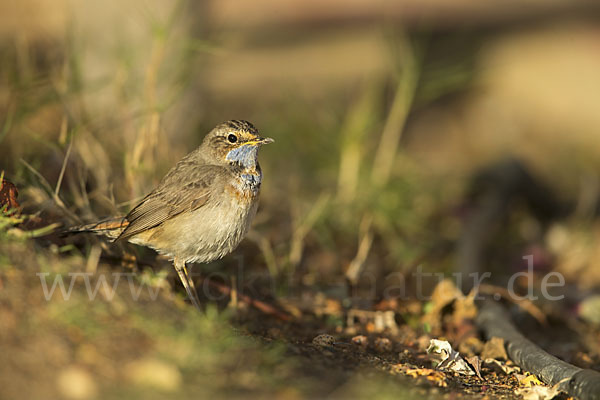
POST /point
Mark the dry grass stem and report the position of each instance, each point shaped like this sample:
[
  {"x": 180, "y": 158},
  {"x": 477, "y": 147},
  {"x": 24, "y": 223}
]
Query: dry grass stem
[
  {"x": 394, "y": 124},
  {"x": 303, "y": 225},
  {"x": 364, "y": 246}
]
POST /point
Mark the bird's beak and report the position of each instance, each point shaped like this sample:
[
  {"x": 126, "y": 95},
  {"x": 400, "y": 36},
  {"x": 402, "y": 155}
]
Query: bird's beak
[
  {"x": 266, "y": 140},
  {"x": 259, "y": 141}
]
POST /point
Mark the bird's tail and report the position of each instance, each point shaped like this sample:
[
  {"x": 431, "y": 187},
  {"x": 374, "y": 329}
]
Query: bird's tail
[{"x": 111, "y": 228}]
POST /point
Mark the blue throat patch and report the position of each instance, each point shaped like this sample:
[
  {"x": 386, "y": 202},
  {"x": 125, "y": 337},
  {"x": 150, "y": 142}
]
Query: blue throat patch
[{"x": 246, "y": 156}]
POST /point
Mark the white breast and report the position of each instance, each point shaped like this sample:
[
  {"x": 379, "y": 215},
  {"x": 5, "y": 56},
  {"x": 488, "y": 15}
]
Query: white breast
[{"x": 208, "y": 233}]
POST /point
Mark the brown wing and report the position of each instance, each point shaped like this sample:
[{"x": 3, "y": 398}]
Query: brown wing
[{"x": 187, "y": 187}]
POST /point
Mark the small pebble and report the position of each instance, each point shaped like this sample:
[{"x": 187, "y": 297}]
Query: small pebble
[
  {"x": 423, "y": 342},
  {"x": 154, "y": 373},
  {"x": 360, "y": 340},
  {"x": 76, "y": 383},
  {"x": 324, "y": 340},
  {"x": 383, "y": 345}
]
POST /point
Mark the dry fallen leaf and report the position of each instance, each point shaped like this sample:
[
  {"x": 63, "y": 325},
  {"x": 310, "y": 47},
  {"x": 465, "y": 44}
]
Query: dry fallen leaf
[
  {"x": 494, "y": 348},
  {"x": 431, "y": 375},
  {"x": 529, "y": 380},
  {"x": 475, "y": 364},
  {"x": 538, "y": 392},
  {"x": 448, "y": 358},
  {"x": 8, "y": 197},
  {"x": 470, "y": 346},
  {"x": 497, "y": 366}
]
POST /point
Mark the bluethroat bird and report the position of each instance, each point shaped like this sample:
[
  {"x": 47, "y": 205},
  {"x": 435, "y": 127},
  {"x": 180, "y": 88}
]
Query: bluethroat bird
[{"x": 202, "y": 209}]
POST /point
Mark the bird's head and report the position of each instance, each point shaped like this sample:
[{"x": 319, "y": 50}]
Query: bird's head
[{"x": 233, "y": 142}]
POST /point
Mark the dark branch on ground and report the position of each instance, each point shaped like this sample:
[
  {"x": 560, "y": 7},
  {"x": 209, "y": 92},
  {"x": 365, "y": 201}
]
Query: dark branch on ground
[{"x": 494, "y": 320}]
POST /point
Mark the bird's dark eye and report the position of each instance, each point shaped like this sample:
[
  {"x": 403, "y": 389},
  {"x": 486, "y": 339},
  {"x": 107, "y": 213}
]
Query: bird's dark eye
[{"x": 232, "y": 138}]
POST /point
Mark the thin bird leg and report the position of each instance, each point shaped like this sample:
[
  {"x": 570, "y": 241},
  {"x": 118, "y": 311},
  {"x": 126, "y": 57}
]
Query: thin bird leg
[
  {"x": 190, "y": 279},
  {"x": 181, "y": 271}
]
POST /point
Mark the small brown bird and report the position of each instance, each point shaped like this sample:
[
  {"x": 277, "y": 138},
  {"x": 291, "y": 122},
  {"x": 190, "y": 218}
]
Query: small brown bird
[{"x": 202, "y": 208}]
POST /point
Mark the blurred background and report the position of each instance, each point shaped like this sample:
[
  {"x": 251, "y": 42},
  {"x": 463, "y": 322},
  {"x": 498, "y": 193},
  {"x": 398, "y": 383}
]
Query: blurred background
[{"x": 453, "y": 136}]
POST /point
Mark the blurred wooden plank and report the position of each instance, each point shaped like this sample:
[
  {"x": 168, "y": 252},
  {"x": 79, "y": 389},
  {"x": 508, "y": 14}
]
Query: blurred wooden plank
[
  {"x": 34, "y": 18},
  {"x": 334, "y": 60},
  {"x": 441, "y": 13}
]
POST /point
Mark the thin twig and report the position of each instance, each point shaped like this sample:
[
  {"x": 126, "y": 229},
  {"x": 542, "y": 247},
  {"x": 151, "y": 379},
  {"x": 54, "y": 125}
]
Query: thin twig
[
  {"x": 258, "y": 304},
  {"x": 55, "y": 197},
  {"x": 525, "y": 304},
  {"x": 63, "y": 168}
]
